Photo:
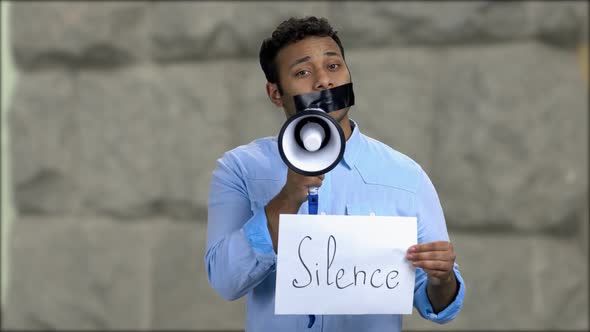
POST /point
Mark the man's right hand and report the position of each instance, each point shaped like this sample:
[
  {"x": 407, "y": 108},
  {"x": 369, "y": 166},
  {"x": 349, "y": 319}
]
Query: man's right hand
[
  {"x": 297, "y": 186},
  {"x": 289, "y": 199}
]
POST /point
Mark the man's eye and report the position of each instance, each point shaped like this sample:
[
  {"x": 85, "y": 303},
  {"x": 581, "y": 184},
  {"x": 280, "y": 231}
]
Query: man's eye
[
  {"x": 333, "y": 66},
  {"x": 301, "y": 73}
]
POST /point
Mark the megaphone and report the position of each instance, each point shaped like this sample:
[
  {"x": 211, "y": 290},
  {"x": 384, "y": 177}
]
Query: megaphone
[{"x": 311, "y": 143}]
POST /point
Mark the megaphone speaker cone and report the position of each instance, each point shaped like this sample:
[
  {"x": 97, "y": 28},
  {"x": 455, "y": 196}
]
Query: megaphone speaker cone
[{"x": 312, "y": 135}]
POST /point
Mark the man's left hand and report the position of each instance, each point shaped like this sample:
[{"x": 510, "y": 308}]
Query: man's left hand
[{"x": 435, "y": 258}]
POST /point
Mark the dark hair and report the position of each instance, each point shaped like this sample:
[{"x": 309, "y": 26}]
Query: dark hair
[{"x": 288, "y": 32}]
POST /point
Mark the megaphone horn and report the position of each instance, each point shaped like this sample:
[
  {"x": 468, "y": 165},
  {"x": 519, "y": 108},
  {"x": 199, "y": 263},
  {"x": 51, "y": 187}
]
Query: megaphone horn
[{"x": 311, "y": 142}]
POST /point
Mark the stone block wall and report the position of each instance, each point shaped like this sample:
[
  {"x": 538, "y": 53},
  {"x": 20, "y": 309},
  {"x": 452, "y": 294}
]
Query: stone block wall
[{"x": 122, "y": 108}]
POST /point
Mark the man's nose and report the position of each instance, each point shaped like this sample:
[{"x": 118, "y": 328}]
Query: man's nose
[{"x": 323, "y": 81}]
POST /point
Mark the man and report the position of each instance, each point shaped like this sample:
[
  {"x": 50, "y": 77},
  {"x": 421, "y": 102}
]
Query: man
[{"x": 251, "y": 186}]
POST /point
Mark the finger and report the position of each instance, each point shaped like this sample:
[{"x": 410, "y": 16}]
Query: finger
[
  {"x": 313, "y": 182},
  {"x": 431, "y": 255},
  {"x": 434, "y": 265},
  {"x": 431, "y": 246}
]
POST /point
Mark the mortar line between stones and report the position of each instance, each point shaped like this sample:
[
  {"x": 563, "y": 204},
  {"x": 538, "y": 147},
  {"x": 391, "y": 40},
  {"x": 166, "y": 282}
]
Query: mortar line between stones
[{"x": 148, "y": 309}]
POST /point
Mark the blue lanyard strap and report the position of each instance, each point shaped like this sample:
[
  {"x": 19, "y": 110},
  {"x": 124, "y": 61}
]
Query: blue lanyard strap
[
  {"x": 311, "y": 321},
  {"x": 312, "y": 202}
]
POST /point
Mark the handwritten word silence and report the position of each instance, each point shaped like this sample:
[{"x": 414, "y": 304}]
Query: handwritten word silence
[{"x": 377, "y": 278}]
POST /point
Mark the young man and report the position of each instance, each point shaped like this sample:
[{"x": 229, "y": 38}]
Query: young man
[{"x": 251, "y": 186}]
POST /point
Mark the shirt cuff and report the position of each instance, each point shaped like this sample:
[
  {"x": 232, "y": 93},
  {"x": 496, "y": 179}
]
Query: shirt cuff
[
  {"x": 450, "y": 312},
  {"x": 256, "y": 231}
]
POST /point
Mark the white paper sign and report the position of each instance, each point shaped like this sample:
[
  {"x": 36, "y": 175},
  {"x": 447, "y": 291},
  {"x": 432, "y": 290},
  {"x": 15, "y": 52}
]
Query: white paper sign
[{"x": 345, "y": 265}]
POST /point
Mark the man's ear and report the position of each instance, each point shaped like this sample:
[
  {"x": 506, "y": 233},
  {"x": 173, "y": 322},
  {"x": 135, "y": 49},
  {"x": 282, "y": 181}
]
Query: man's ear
[{"x": 272, "y": 90}]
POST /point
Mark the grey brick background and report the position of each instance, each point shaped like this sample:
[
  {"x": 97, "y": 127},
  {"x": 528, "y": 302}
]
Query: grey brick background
[{"x": 122, "y": 108}]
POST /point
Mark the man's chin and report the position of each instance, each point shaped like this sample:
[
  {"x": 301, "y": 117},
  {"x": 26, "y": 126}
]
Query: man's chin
[{"x": 339, "y": 115}]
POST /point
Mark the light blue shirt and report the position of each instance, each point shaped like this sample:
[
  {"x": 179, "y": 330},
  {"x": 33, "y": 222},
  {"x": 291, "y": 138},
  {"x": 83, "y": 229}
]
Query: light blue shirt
[{"x": 372, "y": 178}]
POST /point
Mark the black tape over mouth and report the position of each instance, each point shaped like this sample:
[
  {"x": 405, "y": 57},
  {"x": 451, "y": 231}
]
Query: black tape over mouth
[{"x": 327, "y": 100}]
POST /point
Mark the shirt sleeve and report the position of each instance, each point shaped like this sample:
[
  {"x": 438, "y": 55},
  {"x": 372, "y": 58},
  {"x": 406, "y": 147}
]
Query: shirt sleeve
[
  {"x": 432, "y": 227},
  {"x": 239, "y": 252}
]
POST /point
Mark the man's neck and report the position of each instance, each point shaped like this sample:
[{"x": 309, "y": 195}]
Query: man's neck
[{"x": 347, "y": 127}]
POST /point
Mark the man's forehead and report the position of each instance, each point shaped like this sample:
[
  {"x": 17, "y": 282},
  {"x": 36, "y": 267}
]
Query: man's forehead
[{"x": 308, "y": 46}]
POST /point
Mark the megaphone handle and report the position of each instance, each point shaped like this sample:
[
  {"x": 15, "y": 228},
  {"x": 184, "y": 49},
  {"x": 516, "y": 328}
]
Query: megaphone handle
[{"x": 312, "y": 200}]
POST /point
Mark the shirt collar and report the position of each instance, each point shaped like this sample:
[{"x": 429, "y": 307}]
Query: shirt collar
[{"x": 352, "y": 146}]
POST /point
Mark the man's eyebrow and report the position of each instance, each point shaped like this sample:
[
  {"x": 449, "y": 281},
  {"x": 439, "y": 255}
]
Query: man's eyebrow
[
  {"x": 307, "y": 58},
  {"x": 300, "y": 60},
  {"x": 332, "y": 53}
]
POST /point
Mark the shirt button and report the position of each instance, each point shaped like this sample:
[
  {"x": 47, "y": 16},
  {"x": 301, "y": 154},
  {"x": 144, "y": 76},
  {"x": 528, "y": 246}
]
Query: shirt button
[
  {"x": 432, "y": 316},
  {"x": 372, "y": 214}
]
